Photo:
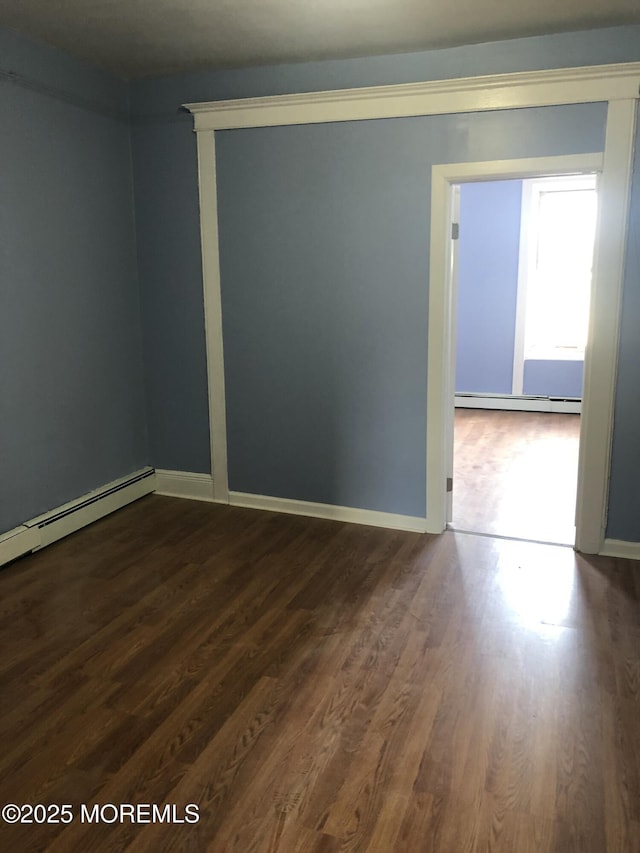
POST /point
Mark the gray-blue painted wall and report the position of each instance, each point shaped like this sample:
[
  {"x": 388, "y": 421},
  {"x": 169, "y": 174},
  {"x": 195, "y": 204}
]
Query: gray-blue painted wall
[
  {"x": 488, "y": 255},
  {"x": 71, "y": 395},
  {"x": 162, "y": 133},
  {"x": 169, "y": 263},
  {"x": 488, "y": 252},
  {"x": 324, "y": 250}
]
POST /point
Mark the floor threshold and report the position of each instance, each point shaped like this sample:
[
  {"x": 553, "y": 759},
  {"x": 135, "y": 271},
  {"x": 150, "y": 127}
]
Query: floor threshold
[{"x": 453, "y": 529}]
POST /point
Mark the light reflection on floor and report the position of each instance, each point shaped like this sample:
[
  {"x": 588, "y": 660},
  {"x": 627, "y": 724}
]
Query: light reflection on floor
[
  {"x": 537, "y": 588},
  {"x": 531, "y": 590},
  {"x": 515, "y": 474}
]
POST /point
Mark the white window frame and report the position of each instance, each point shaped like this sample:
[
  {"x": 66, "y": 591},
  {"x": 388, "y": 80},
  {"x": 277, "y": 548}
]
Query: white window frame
[{"x": 532, "y": 188}]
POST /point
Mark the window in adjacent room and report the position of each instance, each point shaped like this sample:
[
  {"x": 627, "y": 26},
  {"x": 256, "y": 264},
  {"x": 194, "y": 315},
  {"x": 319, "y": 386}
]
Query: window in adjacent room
[{"x": 559, "y": 220}]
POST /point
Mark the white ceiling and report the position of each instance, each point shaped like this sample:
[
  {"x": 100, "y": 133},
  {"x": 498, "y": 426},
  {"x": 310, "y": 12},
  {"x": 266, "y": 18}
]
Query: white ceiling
[{"x": 137, "y": 38}]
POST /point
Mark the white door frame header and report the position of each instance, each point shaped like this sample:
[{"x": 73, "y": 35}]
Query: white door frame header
[
  {"x": 618, "y": 85},
  {"x": 465, "y": 94}
]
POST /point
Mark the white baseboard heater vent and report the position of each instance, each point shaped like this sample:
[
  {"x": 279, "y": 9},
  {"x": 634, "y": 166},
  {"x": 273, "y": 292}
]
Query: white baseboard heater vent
[
  {"x": 522, "y": 403},
  {"x": 13, "y": 544},
  {"x": 66, "y": 519}
]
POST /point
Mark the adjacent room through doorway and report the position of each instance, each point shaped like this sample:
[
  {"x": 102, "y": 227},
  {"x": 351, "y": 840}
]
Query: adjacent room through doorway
[{"x": 524, "y": 259}]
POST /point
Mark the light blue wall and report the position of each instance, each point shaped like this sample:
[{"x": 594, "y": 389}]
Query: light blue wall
[
  {"x": 324, "y": 241},
  {"x": 71, "y": 395},
  {"x": 29, "y": 64},
  {"x": 553, "y": 378},
  {"x": 488, "y": 252},
  {"x": 168, "y": 236}
]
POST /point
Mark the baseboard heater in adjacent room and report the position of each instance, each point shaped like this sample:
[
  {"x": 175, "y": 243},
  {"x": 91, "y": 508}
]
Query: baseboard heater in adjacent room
[
  {"x": 521, "y": 403},
  {"x": 45, "y": 529}
]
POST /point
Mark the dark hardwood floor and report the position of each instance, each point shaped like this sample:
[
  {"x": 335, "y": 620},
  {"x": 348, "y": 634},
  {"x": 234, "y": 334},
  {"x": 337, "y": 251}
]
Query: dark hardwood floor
[
  {"x": 317, "y": 686},
  {"x": 515, "y": 474}
]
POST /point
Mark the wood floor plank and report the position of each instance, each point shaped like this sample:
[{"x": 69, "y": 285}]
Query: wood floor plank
[{"x": 316, "y": 686}]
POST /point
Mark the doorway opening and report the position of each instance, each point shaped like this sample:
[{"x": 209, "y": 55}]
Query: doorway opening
[{"x": 522, "y": 254}]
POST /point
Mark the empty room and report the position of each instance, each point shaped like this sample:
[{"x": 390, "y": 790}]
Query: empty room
[{"x": 319, "y": 504}]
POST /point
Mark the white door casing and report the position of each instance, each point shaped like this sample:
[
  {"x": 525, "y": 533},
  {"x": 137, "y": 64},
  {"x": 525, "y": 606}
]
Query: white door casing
[
  {"x": 445, "y": 180},
  {"x": 454, "y": 245}
]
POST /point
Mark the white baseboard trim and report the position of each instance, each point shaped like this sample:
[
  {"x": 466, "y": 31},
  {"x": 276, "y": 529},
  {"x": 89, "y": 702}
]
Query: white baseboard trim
[
  {"x": 516, "y": 404},
  {"x": 59, "y": 522},
  {"x": 16, "y": 542},
  {"x": 352, "y": 515},
  {"x": 184, "y": 484},
  {"x": 621, "y": 548}
]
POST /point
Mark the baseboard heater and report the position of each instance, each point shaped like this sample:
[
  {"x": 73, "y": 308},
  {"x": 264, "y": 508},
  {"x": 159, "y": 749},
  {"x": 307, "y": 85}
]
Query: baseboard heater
[
  {"x": 45, "y": 529},
  {"x": 523, "y": 403},
  {"x": 17, "y": 542}
]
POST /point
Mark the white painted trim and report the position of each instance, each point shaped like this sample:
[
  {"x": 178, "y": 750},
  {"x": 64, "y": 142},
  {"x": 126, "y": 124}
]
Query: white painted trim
[
  {"x": 16, "y": 542},
  {"x": 517, "y": 404},
  {"x": 454, "y": 256},
  {"x": 440, "y": 391},
  {"x": 92, "y": 506},
  {"x": 601, "y": 356},
  {"x": 468, "y": 94},
  {"x": 440, "y": 384},
  {"x": 528, "y": 167},
  {"x": 329, "y": 511},
  {"x": 620, "y": 548},
  {"x": 184, "y": 484},
  {"x": 213, "y": 312},
  {"x": 524, "y": 265}
]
